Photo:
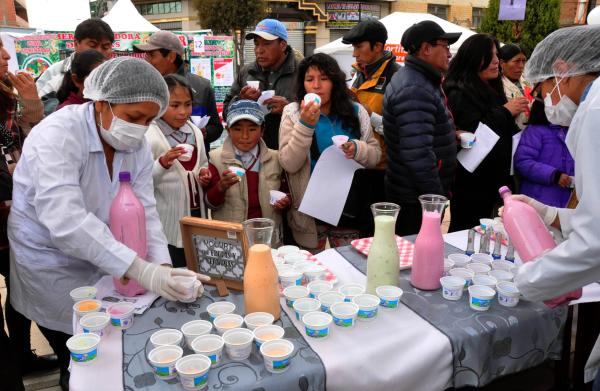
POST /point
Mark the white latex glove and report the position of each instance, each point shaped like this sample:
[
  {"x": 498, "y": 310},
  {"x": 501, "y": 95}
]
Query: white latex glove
[{"x": 547, "y": 213}]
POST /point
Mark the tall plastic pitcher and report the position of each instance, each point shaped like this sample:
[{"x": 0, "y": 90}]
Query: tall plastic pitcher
[
  {"x": 127, "y": 221},
  {"x": 261, "y": 286},
  {"x": 428, "y": 260},
  {"x": 383, "y": 263},
  {"x": 529, "y": 235}
]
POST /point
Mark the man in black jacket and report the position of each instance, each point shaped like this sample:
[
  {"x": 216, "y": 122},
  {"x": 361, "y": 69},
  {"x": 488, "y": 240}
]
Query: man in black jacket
[{"x": 418, "y": 127}]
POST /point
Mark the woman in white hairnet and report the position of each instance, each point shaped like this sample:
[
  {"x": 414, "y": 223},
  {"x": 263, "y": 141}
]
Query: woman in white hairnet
[
  {"x": 565, "y": 67},
  {"x": 63, "y": 188}
]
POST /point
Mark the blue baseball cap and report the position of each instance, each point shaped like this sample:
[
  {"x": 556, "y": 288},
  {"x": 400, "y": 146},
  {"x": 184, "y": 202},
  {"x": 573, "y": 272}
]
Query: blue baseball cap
[
  {"x": 245, "y": 109},
  {"x": 269, "y": 29}
]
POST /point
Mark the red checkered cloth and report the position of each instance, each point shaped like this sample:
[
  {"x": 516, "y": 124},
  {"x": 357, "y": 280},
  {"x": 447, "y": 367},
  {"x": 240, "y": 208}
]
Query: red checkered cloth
[
  {"x": 492, "y": 236},
  {"x": 405, "y": 250},
  {"x": 329, "y": 276}
]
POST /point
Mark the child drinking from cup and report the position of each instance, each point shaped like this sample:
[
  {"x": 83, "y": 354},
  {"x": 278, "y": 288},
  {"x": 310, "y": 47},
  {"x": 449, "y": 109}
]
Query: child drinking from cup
[{"x": 180, "y": 165}]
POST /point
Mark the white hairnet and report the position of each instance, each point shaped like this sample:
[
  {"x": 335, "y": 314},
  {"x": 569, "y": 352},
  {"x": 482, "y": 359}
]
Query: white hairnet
[
  {"x": 569, "y": 51},
  {"x": 127, "y": 80}
]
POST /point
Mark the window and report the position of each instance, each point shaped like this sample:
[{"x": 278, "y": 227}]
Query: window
[
  {"x": 165, "y": 7},
  {"x": 477, "y": 17},
  {"x": 441, "y": 11}
]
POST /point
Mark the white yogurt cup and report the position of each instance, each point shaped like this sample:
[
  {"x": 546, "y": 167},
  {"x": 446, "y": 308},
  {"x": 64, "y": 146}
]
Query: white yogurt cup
[
  {"x": 463, "y": 273},
  {"x": 460, "y": 260},
  {"x": 389, "y": 296},
  {"x": 82, "y": 293},
  {"x": 220, "y": 308},
  {"x": 448, "y": 264},
  {"x": 210, "y": 345},
  {"x": 467, "y": 140},
  {"x": 502, "y": 265},
  {"x": 294, "y": 258},
  {"x": 351, "y": 290},
  {"x": 121, "y": 314},
  {"x": 317, "y": 324},
  {"x": 290, "y": 278},
  {"x": 340, "y": 140},
  {"x": 486, "y": 259},
  {"x": 278, "y": 262},
  {"x": 479, "y": 268},
  {"x": 257, "y": 319},
  {"x": 86, "y": 306},
  {"x": 254, "y": 84},
  {"x": 187, "y": 156},
  {"x": 285, "y": 250},
  {"x": 327, "y": 299},
  {"x": 239, "y": 171},
  {"x": 452, "y": 287},
  {"x": 344, "y": 314},
  {"x": 501, "y": 275},
  {"x": 315, "y": 273},
  {"x": 508, "y": 293},
  {"x": 94, "y": 323},
  {"x": 166, "y": 337},
  {"x": 238, "y": 343},
  {"x": 480, "y": 297},
  {"x": 193, "y": 371},
  {"x": 312, "y": 97},
  {"x": 194, "y": 329},
  {"x": 276, "y": 355},
  {"x": 266, "y": 333},
  {"x": 483, "y": 279},
  {"x": 274, "y": 253},
  {"x": 227, "y": 322},
  {"x": 368, "y": 306},
  {"x": 293, "y": 293},
  {"x": 163, "y": 360},
  {"x": 188, "y": 283},
  {"x": 83, "y": 348},
  {"x": 305, "y": 305},
  {"x": 276, "y": 195},
  {"x": 315, "y": 288}
]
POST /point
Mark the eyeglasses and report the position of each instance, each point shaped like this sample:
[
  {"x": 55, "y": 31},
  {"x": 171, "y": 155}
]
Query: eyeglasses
[{"x": 444, "y": 45}]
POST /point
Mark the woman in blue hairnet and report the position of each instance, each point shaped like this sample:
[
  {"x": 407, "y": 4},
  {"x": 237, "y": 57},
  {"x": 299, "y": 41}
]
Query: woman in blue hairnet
[{"x": 63, "y": 188}]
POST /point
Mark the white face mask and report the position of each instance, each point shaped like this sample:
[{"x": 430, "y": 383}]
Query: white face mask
[
  {"x": 563, "y": 112},
  {"x": 122, "y": 135}
]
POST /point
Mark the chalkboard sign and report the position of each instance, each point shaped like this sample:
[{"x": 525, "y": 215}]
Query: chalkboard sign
[{"x": 217, "y": 249}]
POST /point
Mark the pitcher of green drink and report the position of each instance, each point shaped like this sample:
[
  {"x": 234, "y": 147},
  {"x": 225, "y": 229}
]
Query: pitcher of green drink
[{"x": 383, "y": 263}]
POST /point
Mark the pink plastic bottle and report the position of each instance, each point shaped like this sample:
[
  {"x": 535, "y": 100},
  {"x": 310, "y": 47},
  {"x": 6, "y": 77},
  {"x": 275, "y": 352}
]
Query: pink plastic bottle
[
  {"x": 428, "y": 260},
  {"x": 127, "y": 221},
  {"x": 529, "y": 235}
]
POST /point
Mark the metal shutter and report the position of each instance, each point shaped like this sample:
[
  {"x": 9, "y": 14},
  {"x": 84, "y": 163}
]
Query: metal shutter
[{"x": 295, "y": 40}]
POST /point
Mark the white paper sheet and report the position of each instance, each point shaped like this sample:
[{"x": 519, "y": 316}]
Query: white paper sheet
[
  {"x": 200, "y": 121},
  {"x": 265, "y": 95},
  {"x": 516, "y": 139},
  {"x": 486, "y": 139},
  {"x": 329, "y": 185},
  {"x": 109, "y": 295}
]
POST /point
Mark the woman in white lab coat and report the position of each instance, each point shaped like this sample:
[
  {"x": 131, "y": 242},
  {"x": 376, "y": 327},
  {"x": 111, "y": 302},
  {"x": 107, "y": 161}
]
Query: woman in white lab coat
[
  {"x": 63, "y": 188},
  {"x": 566, "y": 66}
]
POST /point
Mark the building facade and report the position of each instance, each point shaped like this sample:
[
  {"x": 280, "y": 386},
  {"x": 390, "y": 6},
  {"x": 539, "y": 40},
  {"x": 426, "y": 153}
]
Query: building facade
[
  {"x": 13, "y": 13},
  {"x": 466, "y": 13},
  {"x": 177, "y": 15}
]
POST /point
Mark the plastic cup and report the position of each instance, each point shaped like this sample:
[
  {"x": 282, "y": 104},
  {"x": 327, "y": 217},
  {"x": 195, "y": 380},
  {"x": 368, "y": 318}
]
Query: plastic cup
[
  {"x": 276, "y": 355},
  {"x": 501, "y": 275},
  {"x": 94, "y": 323},
  {"x": 238, "y": 343},
  {"x": 467, "y": 140},
  {"x": 327, "y": 299},
  {"x": 351, "y": 290},
  {"x": 315, "y": 273},
  {"x": 305, "y": 305},
  {"x": 220, "y": 308},
  {"x": 274, "y": 253},
  {"x": 254, "y": 84},
  {"x": 293, "y": 293},
  {"x": 87, "y": 306},
  {"x": 514, "y": 270},
  {"x": 312, "y": 97},
  {"x": 452, "y": 287},
  {"x": 166, "y": 337},
  {"x": 367, "y": 306},
  {"x": 283, "y": 268},
  {"x": 83, "y": 348},
  {"x": 460, "y": 260},
  {"x": 83, "y": 293},
  {"x": 193, "y": 371},
  {"x": 227, "y": 322},
  {"x": 481, "y": 279},
  {"x": 194, "y": 329},
  {"x": 276, "y": 195},
  {"x": 302, "y": 266},
  {"x": 479, "y": 268},
  {"x": 163, "y": 360},
  {"x": 463, "y": 273},
  {"x": 508, "y": 293},
  {"x": 486, "y": 259},
  {"x": 294, "y": 258},
  {"x": 502, "y": 265},
  {"x": 339, "y": 140},
  {"x": 480, "y": 297},
  {"x": 257, "y": 319},
  {"x": 389, "y": 296},
  {"x": 315, "y": 288},
  {"x": 239, "y": 171},
  {"x": 278, "y": 262},
  {"x": 317, "y": 324},
  {"x": 187, "y": 156},
  {"x": 266, "y": 333},
  {"x": 448, "y": 264},
  {"x": 344, "y": 314},
  {"x": 290, "y": 278},
  {"x": 121, "y": 314},
  {"x": 210, "y": 345},
  {"x": 285, "y": 250},
  {"x": 187, "y": 282}
]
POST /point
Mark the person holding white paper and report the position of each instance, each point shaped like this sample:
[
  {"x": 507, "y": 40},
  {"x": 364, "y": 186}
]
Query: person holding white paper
[{"x": 476, "y": 95}]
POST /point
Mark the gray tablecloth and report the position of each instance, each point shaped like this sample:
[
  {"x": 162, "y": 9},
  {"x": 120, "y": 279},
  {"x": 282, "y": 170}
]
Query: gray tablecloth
[
  {"x": 485, "y": 345},
  {"x": 305, "y": 373}
]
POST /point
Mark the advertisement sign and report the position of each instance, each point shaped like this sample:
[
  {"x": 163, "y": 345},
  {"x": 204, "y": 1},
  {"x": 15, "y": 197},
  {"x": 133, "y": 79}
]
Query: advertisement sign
[
  {"x": 512, "y": 10},
  {"x": 345, "y": 15}
]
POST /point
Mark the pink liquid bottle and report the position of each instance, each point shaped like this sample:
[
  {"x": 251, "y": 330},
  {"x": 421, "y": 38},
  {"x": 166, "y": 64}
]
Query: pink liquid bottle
[
  {"x": 127, "y": 221},
  {"x": 529, "y": 235},
  {"x": 428, "y": 260}
]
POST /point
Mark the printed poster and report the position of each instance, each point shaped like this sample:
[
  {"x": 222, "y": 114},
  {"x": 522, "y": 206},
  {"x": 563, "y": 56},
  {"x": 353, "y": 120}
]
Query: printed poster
[
  {"x": 223, "y": 72},
  {"x": 201, "y": 67},
  {"x": 512, "y": 10}
]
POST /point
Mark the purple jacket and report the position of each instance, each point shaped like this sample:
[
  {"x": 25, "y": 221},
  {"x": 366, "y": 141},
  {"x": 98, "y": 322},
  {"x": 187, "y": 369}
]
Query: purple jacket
[{"x": 540, "y": 154}]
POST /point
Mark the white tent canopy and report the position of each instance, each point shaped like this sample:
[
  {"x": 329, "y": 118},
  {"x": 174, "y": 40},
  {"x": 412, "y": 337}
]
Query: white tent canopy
[
  {"x": 50, "y": 16},
  {"x": 123, "y": 16}
]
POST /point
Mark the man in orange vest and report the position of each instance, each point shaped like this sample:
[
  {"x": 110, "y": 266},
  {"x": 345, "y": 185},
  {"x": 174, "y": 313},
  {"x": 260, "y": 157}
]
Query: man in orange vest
[{"x": 374, "y": 67}]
